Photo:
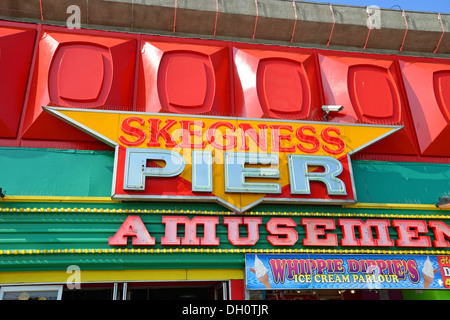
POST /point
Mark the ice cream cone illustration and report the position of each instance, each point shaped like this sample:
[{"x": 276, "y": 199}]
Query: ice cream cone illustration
[
  {"x": 426, "y": 281},
  {"x": 264, "y": 279},
  {"x": 428, "y": 273},
  {"x": 261, "y": 272}
]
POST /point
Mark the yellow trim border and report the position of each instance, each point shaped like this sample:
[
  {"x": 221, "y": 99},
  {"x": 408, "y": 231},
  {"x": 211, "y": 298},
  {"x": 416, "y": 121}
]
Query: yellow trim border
[
  {"x": 399, "y": 206},
  {"x": 220, "y": 251},
  {"x": 58, "y": 199},
  {"x": 122, "y": 275},
  {"x": 206, "y": 212},
  {"x": 107, "y": 200}
]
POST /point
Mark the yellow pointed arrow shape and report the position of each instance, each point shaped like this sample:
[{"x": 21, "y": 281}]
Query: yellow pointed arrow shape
[{"x": 184, "y": 133}]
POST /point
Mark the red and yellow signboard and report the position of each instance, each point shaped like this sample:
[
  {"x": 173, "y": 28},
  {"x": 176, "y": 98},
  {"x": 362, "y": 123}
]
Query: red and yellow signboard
[{"x": 236, "y": 162}]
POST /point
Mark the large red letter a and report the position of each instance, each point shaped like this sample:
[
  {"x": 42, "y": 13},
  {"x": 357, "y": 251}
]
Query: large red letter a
[{"x": 132, "y": 227}]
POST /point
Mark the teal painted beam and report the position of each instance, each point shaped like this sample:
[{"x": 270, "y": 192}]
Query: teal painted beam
[
  {"x": 52, "y": 172},
  {"x": 401, "y": 182}
]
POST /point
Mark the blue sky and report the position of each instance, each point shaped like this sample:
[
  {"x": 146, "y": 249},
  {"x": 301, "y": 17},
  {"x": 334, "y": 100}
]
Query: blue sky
[{"x": 442, "y": 6}]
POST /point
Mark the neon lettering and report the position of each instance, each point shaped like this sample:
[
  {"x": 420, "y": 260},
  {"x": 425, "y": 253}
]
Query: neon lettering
[
  {"x": 441, "y": 233},
  {"x": 212, "y": 140},
  {"x": 336, "y": 141},
  {"x": 132, "y": 227},
  {"x": 277, "y": 138},
  {"x": 309, "y": 139},
  {"x": 365, "y": 230},
  {"x": 187, "y": 133},
  {"x": 156, "y": 132},
  {"x": 284, "y": 232},
  {"x": 260, "y": 139},
  {"x": 252, "y": 224},
  {"x": 139, "y": 134},
  {"x": 315, "y": 232},
  {"x": 190, "y": 234},
  {"x": 408, "y": 231},
  {"x": 274, "y": 227}
]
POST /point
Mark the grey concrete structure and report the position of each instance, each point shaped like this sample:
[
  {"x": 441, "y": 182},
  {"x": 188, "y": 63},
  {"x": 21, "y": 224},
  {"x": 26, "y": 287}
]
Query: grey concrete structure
[{"x": 279, "y": 22}]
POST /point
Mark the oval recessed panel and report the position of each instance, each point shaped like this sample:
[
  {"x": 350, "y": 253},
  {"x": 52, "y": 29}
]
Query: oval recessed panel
[
  {"x": 373, "y": 93},
  {"x": 186, "y": 82},
  {"x": 442, "y": 91},
  {"x": 80, "y": 75},
  {"x": 283, "y": 88}
]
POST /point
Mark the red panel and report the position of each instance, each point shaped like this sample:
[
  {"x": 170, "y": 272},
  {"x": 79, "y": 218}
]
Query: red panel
[
  {"x": 78, "y": 69},
  {"x": 369, "y": 90},
  {"x": 72, "y": 68},
  {"x": 16, "y": 49},
  {"x": 184, "y": 78},
  {"x": 186, "y": 81},
  {"x": 283, "y": 87},
  {"x": 373, "y": 94},
  {"x": 237, "y": 289},
  {"x": 427, "y": 87},
  {"x": 442, "y": 92},
  {"x": 275, "y": 84}
]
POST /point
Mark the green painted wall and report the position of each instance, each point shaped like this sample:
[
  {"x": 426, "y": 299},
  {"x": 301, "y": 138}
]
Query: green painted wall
[
  {"x": 51, "y": 172},
  {"x": 401, "y": 182}
]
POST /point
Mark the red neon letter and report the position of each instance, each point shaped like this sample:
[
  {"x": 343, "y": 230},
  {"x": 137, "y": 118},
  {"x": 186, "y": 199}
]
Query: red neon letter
[
  {"x": 260, "y": 139},
  {"x": 186, "y": 134},
  {"x": 190, "y": 231},
  {"x": 132, "y": 227},
  {"x": 332, "y": 140},
  {"x": 307, "y": 139},
  {"x": 408, "y": 233},
  {"x": 138, "y": 133},
  {"x": 210, "y": 136},
  {"x": 252, "y": 230},
  {"x": 155, "y": 133},
  {"x": 276, "y": 138},
  {"x": 441, "y": 233},
  {"x": 275, "y": 227},
  {"x": 365, "y": 231},
  {"x": 315, "y": 228}
]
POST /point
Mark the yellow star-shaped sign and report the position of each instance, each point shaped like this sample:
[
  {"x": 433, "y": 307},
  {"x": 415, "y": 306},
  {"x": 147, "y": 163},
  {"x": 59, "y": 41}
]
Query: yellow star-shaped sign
[{"x": 220, "y": 135}]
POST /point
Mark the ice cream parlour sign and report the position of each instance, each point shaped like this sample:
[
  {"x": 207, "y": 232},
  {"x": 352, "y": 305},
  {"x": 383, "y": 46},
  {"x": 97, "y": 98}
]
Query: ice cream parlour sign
[
  {"x": 236, "y": 162},
  {"x": 311, "y": 271}
]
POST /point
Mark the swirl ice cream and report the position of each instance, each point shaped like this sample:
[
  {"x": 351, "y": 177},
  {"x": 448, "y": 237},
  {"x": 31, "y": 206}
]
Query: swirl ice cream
[
  {"x": 261, "y": 272},
  {"x": 428, "y": 273},
  {"x": 260, "y": 269}
]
